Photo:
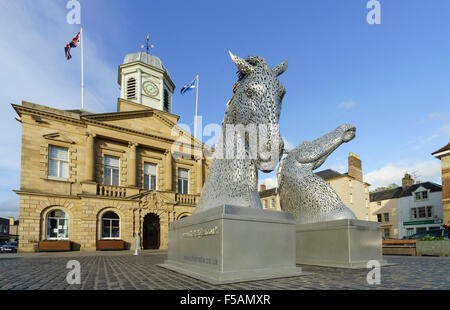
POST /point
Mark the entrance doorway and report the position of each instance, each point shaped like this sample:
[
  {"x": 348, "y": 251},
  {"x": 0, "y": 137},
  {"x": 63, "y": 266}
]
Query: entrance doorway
[{"x": 151, "y": 231}]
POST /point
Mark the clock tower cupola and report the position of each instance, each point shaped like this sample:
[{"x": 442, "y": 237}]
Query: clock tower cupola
[{"x": 144, "y": 80}]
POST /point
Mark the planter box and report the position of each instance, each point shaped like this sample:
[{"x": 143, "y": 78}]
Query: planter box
[
  {"x": 399, "y": 247},
  {"x": 438, "y": 247},
  {"x": 54, "y": 245},
  {"x": 105, "y": 245}
]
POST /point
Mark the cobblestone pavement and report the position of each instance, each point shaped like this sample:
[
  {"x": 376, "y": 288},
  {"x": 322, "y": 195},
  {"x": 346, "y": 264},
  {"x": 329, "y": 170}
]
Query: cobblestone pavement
[{"x": 123, "y": 271}]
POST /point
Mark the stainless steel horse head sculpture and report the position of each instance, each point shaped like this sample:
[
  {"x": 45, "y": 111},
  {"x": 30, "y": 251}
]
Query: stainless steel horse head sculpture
[
  {"x": 307, "y": 196},
  {"x": 250, "y": 138}
]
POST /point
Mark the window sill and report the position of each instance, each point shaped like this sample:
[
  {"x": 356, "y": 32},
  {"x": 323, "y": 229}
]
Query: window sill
[{"x": 57, "y": 180}]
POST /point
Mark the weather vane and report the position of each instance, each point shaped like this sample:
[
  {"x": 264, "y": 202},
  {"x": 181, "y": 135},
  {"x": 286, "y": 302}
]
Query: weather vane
[{"x": 146, "y": 46}]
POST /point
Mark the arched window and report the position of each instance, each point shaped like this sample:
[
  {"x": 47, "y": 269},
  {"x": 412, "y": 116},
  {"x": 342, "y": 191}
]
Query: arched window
[
  {"x": 110, "y": 225},
  {"x": 131, "y": 88},
  {"x": 166, "y": 100},
  {"x": 57, "y": 225}
]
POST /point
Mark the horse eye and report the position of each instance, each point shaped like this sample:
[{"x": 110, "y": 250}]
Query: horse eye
[{"x": 249, "y": 92}]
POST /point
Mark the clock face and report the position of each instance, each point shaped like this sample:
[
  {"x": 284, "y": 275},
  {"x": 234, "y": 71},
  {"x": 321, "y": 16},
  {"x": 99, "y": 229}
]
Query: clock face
[{"x": 150, "y": 88}]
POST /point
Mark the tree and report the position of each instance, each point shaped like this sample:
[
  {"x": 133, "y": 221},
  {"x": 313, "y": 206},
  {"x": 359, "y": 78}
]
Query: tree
[{"x": 383, "y": 188}]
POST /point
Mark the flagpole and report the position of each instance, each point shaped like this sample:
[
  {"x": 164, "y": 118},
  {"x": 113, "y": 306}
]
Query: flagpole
[
  {"x": 196, "y": 105},
  {"x": 82, "y": 68}
]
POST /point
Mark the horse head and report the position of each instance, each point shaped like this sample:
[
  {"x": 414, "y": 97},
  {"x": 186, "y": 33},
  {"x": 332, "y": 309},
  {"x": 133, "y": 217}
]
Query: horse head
[
  {"x": 316, "y": 152},
  {"x": 257, "y": 100}
]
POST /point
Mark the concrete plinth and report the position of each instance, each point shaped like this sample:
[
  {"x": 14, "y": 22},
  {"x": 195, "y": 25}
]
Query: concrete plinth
[
  {"x": 343, "y": 243},
  {"x": 233, "y": 244}
]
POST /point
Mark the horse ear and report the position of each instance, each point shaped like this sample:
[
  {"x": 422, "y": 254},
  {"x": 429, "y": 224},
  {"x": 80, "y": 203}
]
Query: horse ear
[
  {"x": 241, "y": 64},
  {"x": 278, "y": 70}
]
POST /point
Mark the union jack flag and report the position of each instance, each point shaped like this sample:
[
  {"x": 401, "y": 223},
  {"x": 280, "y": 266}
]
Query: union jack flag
[{"x": 74, "y": 43}]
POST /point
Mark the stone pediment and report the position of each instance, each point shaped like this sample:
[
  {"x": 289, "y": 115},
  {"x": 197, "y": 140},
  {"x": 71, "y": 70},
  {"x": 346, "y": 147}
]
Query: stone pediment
[
  {"x": 58, "y": 137},
  {"x": 147, "y": 121},
  {"x": 116, "y": 118}
]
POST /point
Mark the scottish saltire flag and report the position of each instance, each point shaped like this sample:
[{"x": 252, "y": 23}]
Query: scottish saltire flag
[
  {"x": 74, "y": 43},
  {"x": 188, "y": 87}
]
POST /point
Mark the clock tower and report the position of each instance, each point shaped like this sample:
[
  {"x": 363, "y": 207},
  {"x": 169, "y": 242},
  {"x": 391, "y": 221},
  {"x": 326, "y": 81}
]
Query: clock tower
[{"x": 144, "y": 80}]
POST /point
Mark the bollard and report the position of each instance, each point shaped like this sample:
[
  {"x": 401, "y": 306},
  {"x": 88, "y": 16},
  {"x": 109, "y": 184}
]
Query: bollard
[{"x": 136, "y": 245}]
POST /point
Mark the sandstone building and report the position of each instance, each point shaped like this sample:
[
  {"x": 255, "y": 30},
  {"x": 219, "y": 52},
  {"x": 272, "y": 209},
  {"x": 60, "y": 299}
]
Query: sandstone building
[
  {"x": 444, "y": 155},
  {"x": 90, "y": 178}
]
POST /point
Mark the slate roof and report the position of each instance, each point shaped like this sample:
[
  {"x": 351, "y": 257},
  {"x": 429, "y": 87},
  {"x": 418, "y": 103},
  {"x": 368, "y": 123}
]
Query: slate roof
[
  {"x": 328, "y": 174},
  {"x": 433, "y": 187},
  {"x": 398, "y": 192},
  {"x": 386, "y": 194}
]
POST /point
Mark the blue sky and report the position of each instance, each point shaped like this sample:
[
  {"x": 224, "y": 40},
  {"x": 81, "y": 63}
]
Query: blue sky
[{"x": 390, "y": 80}]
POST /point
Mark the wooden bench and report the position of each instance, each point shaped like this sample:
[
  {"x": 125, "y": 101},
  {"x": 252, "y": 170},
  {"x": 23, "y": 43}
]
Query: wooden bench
[
  {"x": 105, "y": 245},
  {"x": 54, "y": 245},
  {"x": 399, "y": 247}
]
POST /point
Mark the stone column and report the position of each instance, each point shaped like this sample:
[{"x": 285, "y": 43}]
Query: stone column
[
  {"x": 168, "y": 170},
  {"x": 132, "y": 164},
  {"x": 90, "y": 158}
]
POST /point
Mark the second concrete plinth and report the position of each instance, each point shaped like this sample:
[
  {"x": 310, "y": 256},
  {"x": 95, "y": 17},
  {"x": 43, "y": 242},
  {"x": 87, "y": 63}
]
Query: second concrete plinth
[{"x": 344, "y": 243}]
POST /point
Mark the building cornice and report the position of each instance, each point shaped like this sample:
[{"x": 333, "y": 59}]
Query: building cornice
[
  {"x": 38, "y": 193},
  {"x": 20, "y": 109}
]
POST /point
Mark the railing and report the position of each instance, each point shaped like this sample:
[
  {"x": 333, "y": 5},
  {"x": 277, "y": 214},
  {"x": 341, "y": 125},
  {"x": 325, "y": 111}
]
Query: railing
[
  {"x": 186, "y": 199},
  {"x": 111, "y": 191}
]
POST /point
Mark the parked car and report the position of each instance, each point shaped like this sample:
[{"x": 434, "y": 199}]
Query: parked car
[
  {"x": 2, "y": 243},
  {"x": 433, "y": 233},
  {"x": 10, "y": 247}
]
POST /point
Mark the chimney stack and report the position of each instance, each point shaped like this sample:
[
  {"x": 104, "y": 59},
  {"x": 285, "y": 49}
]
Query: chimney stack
[
  {"x": 407, "y": 181},
  {"x": 262, "y": 187},
  {"x": 355, "y": 167}
]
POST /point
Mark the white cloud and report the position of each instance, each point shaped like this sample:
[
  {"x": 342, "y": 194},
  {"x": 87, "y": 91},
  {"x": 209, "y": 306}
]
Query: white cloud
[
  {"x": 347, "y": 105},
  {"x": 394, "y": 172},
  {"x": 270, "y": 182}
]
